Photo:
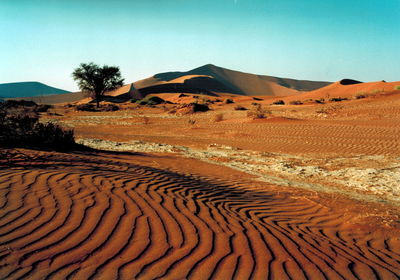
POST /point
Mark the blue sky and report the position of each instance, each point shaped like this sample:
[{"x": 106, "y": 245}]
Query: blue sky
[{"x": 44, "y": 40}]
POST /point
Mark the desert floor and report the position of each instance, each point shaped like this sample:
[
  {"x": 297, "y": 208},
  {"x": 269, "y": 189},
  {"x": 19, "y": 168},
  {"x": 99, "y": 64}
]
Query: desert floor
[{"x": 309, "y": 192}]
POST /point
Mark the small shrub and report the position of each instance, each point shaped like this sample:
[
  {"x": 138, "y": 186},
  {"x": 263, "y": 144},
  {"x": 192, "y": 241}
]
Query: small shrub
[
  {"x": 397, "y": 87},
  {"x": 257, "y": 99},
  {"x": 191, "y": 121},
  {"x": 320, "y": 101},
  {"x": 258, "y": 113},
  {"x": 255, "y": 104},
  {"x": 337, "y": 99},
  {"x": 229, "y": 101},
  {"x": 296, "y": 102},
  {"x": 240, "y": 108},
  {"x": 150, "y": 101},
  {"x": 86, "y": 107},
  {"x": 361, "y": 96},
  {"x": 279, "y": 102},
  {"x": 218, "y": 117}
]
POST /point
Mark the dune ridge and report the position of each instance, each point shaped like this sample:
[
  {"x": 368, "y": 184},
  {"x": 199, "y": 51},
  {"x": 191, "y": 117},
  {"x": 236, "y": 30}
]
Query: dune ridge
[{"x": 111, "y": 216}]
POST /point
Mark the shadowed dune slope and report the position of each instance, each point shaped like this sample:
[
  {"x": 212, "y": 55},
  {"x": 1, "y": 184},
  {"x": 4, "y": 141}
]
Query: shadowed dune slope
[
  {"x": 350, "y": 88},
  {"x": 101, "y": 216},
  {"x": 230, "y": 81},
  {"x": 28, "y": 89}
]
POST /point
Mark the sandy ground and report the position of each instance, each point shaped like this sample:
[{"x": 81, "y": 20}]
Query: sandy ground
[
  {"x": 310, "y": 192},
  {"x": 159, "y": 216}
]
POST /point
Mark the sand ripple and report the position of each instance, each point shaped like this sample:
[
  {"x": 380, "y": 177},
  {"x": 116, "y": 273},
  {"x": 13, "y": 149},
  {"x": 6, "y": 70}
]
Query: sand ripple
[{"x": 88, "y": 217}]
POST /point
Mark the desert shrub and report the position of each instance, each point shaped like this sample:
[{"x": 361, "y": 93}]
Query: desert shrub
[
  {"x": 361, "y": 96},
  {"x": 86, "y": 107},
  {"x": 320, "y": 101},
  {"x": 278, "y": 102},
  {"x": 21, "y": 128},
  {"x": 183, "y": 95},
  {"x": 337, "y": 99},
  {"x": 296, "y": 102},
  {"x": 240, "y": 108},
  {"x": 189, "y": 108},
  {"x": 217, "y": 117},
  {"x": 229, "y": 101},
  {"x": 258, "y": 112},
  {"x": 377, "y": 91},
  {"x": 255, "y": 103},
  {"x": 397, "y": 87},
  {"x": 151, "y": 101},
  {"x": 257, "y": 99}
]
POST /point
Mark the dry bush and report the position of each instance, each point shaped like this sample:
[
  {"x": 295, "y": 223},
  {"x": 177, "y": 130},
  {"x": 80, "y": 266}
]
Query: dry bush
[
  {"x": 337, "y": 99},
  {"x": 191, "y": 121},
  {"x": 295, "y": 102},
  {"x": 240, "y": 108},
  {"x": 217, "y": 117},
  {"x": 397, "y": 87},
  {"x": 361, "y": 96},
  {"x": 258, "y": 112},
  {"x": 278, "y": 102},
  {"x": 20, "y": 127},
  {"x": 229, "y": 101}
]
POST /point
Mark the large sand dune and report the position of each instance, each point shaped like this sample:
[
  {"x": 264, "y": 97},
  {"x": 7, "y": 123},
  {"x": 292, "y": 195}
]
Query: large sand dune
[
  {"x": 118, "y": 216},
  {"x": 217, "y": 79}
]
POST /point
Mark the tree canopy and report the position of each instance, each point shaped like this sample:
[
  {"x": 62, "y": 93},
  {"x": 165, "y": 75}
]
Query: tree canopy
[{"x": 97, "y": 80}]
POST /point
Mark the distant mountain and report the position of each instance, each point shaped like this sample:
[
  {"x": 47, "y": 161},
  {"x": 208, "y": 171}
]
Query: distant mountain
[
  {"x": 213, "y": 79},
  {"x": 27, "y": 89}
]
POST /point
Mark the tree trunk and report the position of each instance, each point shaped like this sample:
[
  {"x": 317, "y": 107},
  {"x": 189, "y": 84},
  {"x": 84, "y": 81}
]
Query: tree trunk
[{"x": 97, "y": 95}]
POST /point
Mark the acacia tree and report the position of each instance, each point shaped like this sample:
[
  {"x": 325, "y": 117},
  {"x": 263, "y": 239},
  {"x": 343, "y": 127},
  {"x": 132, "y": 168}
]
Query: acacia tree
[{"x": 96, "y": 80}]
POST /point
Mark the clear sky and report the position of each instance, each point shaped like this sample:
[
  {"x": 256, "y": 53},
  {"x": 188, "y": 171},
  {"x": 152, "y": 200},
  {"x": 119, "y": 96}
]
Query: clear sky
[{"x": 44, "y": 40}]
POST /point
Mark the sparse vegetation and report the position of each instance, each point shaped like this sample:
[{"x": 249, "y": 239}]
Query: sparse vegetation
[
  {"x": 397, "y": 87},
  {"x": 258, "y": 112},
  {"x": 89, "y": 107},
  {"x": 150, "y": 101},
  {"x": 191, "y": 121},
  {"x": 229, "y": 101},
  {"x": 20, "y": 127},
  {"x": 361, "y": 96},
  {"x": 278, "y": 102},
  {"x": 295, "y": 102},
  {"x": 320, "y": 101},
  {"x": 86, "y": 107},
  {"x": 190, "y": 108},
  {"x": 337, "y": 99},
  {"x": 240, "y": 108}
]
